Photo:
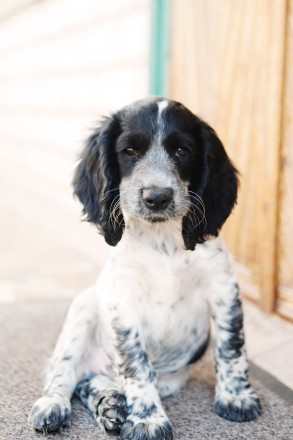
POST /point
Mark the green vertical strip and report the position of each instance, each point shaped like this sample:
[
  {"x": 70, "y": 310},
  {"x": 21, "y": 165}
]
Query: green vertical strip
[{"x": 159, "y": 50}]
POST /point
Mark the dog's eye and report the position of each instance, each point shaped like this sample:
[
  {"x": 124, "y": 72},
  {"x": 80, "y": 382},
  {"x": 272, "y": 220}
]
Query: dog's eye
[
  {"x": 181, "y": 152},
  {"x": 130, "y": 151}
]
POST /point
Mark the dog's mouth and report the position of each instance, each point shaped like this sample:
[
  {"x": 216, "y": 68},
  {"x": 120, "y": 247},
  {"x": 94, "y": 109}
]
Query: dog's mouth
[
  {"x": 157, "y": 219},
  {"x": 160, "y": 216}
]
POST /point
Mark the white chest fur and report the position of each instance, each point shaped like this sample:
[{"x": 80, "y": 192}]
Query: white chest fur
[{"x": 165, "y": 287}]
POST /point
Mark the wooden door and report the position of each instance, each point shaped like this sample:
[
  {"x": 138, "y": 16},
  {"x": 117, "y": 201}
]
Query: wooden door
[
  {"x": 227, "y": 63},
  {"x": 284, "y": 304}
]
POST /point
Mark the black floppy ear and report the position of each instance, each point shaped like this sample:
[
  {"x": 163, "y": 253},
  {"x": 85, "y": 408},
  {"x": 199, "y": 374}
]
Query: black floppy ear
[
  {"x": 215, "y": 189},
  {"x": 96, "y": 181}
]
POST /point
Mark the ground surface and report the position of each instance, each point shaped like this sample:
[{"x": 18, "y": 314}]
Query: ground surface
[{"x": 28, "y": 333}]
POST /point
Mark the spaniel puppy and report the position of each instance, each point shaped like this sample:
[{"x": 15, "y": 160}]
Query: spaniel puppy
[{"x": 158, "y": 184}]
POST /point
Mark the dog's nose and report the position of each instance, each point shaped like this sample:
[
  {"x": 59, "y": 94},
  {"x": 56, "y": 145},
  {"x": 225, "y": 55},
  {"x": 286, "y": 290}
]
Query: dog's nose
[{"x": 157, "y": 199}]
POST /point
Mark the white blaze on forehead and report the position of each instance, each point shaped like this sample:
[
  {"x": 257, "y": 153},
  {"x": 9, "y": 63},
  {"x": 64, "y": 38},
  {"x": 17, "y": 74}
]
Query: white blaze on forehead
[{"x": 162, "y": 105}]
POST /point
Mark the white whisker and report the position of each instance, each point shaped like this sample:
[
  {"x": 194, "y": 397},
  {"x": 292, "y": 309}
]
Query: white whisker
[
  {"x": 200, "y": 209},
  {"x": 107, "y": 192}
]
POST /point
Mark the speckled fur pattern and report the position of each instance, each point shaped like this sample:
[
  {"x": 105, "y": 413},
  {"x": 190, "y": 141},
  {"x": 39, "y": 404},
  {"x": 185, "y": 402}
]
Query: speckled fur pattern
[{"x": 128, "y": 340}]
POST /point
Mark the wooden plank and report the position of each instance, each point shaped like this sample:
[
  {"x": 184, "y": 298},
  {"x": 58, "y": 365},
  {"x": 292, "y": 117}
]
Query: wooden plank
[
  {"x": 226, "y": 64},
  {"x": 285, "y": 249}
]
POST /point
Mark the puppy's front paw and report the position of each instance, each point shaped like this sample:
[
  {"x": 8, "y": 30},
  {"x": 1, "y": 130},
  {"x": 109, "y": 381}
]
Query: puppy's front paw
[
  {"x": 49, "y": 413},
  {"x": 242, "y": 407},
  {"x": 111, "y": 412},
  {"x": 147, "y": 429}
]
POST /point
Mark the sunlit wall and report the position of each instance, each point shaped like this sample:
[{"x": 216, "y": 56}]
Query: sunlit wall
[{"x": 63, "y": 63}]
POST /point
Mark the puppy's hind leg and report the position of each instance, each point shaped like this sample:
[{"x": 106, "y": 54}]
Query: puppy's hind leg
[
  {"x": 105, "y": 399},
  {"x": 52, "y": 411}
]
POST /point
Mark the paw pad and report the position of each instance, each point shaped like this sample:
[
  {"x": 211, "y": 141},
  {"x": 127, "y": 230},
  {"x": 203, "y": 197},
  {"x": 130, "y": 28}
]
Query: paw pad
[{"x": 111, "y": 412}]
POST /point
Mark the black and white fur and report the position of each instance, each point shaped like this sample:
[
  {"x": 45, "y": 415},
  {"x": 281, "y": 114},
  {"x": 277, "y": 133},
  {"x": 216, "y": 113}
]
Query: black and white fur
[{"x": 158, "y": 184}]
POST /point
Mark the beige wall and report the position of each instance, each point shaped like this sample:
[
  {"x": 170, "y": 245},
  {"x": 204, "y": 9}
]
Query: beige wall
[{"x": 63, "y": 63}]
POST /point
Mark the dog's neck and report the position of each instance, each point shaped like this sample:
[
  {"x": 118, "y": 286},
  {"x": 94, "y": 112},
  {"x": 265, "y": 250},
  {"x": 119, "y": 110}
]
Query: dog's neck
[{"x": 166, "y": 233}]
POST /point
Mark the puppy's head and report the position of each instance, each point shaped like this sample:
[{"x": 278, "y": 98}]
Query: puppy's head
[{"x": 154, "y": 160}]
